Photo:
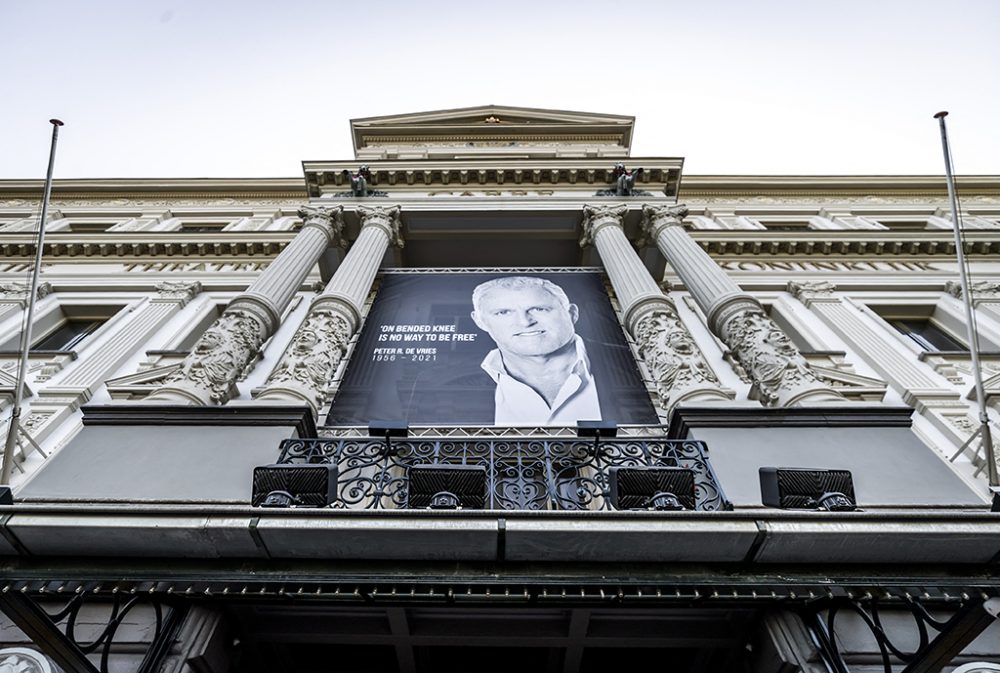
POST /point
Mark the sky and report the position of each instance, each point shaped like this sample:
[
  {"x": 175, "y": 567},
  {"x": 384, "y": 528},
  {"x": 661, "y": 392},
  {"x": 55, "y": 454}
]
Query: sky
[{"x": 250, "y": 89}]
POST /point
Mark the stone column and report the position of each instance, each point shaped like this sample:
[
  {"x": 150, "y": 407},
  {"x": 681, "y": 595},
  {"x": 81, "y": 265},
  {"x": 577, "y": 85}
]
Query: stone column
[
  {"x": 306, "y": 369},
  {"x": 208, "y": 375},
  {"x": 781, "y": 376},
  {"x": 673, "y": 358}
]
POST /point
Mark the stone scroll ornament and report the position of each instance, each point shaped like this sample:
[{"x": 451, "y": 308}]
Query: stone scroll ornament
[
  {"x": 312, "y": 358},
  {"x": 23, "y": 660},
  {"x": 332, "y": 217},
  {"x": 673, "y": 358},
  {"x": 769, "y": 356},
  {"x": 220, "y": 354}
]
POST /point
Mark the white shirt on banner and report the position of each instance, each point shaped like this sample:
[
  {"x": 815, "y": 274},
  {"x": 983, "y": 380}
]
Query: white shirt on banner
[{"x": 518, "y": 403}]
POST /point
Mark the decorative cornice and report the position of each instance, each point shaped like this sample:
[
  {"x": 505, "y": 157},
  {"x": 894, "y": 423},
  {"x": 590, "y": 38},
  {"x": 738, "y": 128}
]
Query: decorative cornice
[
  {"x": 847, "y": 187},
  {"x": 660, "y": 174}
]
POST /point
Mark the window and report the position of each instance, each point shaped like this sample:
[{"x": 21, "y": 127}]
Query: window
[
  {"x": 89, "y": 225},
  {"x": 926, "y": 334},
  {"x": 785, "y": 225},
  {"x": 203, "y": 227},
  {"x": 904, "y": 225},
  {"x": 63, "y": 327},
  {"x": 68, "y": 335}
]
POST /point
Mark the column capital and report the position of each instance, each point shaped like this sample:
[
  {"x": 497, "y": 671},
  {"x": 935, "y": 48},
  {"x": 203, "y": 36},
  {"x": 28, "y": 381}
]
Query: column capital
[
  {"x": 655, "y": 218},
  {"x": 17, "y": 291},
  {"x": 597, "y": 217},
  {"x": 811, "y": 291},
  {"x": 179, "y": 291},
  {"x": 385, "y": 218},
  {"x": 981, "y": 289},
  {"x": 328, "y": 219}
]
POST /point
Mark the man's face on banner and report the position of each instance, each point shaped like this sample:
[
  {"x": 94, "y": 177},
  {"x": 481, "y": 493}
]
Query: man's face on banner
[{"x": 527, "y": 320}]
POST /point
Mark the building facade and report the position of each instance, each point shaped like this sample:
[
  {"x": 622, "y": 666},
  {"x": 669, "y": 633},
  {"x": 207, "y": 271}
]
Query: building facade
[{"x": 392, "y": 321}]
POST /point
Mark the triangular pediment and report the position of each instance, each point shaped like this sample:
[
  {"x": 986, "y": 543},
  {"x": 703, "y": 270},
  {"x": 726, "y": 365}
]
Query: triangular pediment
[
  {"x": 491, "y": 121},
  {"x": 140, "y": 384},
  {"x": 492, "y": 114}
]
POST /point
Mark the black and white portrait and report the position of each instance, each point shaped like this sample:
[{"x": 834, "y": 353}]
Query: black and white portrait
[{"x": 507, "y": 349}]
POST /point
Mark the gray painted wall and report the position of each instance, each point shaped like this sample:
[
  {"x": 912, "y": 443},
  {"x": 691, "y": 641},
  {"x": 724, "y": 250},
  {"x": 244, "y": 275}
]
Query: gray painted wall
[{"x": 158, "y": 463}]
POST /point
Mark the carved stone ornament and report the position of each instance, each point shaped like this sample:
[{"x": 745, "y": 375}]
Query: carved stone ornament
[
  {"x": 981, "y": 289},
  {"x": 178, "y": 289},
  {"x": 977, "y": 667},
  {"x": 811, "y": 289},
  {"x": 16, "y": 291},
  {"x": 595, "y": 217},
  {"x": 220, "y": 355},
  {"x": 672, "y": 356},
  {"x": 332, "y": 217},
  {"x": 780, "y": 372},
  {"x": 387, "y": 218},
  {"x": 23, "y": 660},
  {"x": 315, "y": 352},
  {"x": 654, "y": 218}
]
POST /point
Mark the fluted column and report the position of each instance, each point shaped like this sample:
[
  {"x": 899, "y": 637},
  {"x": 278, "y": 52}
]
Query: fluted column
[
  {"x": 781, "y": 376},
  {"x": 673, "y": 358},
  {"x": 307, "y": 367},
  {"x": 208, "y": 374}
]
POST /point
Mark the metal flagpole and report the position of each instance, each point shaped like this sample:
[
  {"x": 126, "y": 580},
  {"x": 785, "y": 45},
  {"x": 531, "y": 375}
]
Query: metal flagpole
[
  {"x": 984, "y": 421},
  {"x": 22, "y": 372}
]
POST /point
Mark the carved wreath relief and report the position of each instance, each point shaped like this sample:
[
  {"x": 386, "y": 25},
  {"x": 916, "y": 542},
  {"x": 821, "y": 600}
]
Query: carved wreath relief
[
  {"x": 316, "y": 351},
  {"x": 671, "y": 354},
  {"x": 220, "y": 354}
]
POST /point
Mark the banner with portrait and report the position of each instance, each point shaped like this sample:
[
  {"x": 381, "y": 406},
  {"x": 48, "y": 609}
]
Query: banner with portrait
[{"x": 470, "y": 348}]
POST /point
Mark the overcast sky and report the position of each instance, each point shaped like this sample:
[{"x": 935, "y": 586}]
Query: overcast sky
[{"x": 237, "y": 89}]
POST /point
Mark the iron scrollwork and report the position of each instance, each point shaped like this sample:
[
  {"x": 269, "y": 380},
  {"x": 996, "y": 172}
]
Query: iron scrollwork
[
  {"x": 58, "y": 630},
  {"x": 948, "y": 637},
  {"x": 522, "y": 474}
]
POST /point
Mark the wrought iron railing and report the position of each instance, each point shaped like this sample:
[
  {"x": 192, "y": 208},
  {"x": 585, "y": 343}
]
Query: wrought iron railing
[{"x": 521, "y": 474}]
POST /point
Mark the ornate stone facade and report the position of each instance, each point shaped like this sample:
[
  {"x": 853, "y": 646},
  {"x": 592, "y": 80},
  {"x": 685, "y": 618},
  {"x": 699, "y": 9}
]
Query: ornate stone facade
[
  {"x": 218, "y": 358},
  {"x": 780, "y": 375},
  {"x": 308, "y": 366},
  {"x": 672, "y": 357}
]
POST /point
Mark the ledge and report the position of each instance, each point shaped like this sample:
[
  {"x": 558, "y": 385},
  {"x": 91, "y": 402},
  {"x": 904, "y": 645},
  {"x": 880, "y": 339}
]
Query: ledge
[
  {"x": 832, "y": 415},
  {"x": 139, "y": 413},
  {"x": 764, "y": 537}
]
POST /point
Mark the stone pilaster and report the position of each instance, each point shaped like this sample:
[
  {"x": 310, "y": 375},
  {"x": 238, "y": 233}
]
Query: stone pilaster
[
  {"x": 985, "y": 295},
  {"x": 929, "y": 393},
  {"x": 901, "y": 370},
  {"x": 781, "y": 376},
  {"x": 306, "y": 369},
  {"x": 208, "y": 375},
  {"x": 671, "y": 355},
  {"x": 100, "y": 362},
  {"x": 14, "y": 296}
]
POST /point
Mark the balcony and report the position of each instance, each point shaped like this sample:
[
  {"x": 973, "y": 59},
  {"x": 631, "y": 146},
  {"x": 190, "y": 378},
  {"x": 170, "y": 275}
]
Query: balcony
[{"x": 520, "y": 474}]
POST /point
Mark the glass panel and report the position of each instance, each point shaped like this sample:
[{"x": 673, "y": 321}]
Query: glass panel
[
  {"x": 69, "y": 334},
  {"x": 927, "y": 335}
]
